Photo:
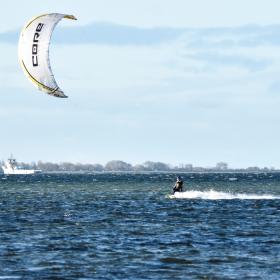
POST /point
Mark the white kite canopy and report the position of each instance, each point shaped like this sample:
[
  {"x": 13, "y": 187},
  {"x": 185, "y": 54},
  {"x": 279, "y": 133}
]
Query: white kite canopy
[{"x": 33, "y": 51}]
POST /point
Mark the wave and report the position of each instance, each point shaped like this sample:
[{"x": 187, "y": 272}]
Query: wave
[{"x": 215, "y": 195}]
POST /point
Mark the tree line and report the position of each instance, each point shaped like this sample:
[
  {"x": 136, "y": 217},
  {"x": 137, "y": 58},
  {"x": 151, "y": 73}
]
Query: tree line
[{"x": 148, "y": 166}]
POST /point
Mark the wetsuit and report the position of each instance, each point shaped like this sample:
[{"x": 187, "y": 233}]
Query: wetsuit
[{"x": 178, "y": 186}]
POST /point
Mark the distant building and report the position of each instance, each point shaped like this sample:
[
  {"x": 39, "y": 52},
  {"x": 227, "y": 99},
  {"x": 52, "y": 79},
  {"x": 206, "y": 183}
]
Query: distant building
[{"x": 222, "y": 166}]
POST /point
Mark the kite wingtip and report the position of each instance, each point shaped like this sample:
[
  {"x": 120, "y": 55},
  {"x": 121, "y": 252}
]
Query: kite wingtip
[{"x": 70, "y": 17}]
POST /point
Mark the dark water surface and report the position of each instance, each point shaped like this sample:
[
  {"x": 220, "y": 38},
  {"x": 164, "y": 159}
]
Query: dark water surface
[{"x": 122, "y": 226}]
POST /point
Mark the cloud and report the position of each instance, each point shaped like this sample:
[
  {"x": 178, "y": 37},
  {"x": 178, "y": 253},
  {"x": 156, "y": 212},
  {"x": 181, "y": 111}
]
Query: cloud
[
  {"x": 112, "y": 34},
  {"x": 235, "y": 60},
  {"x": 200, "y": 38},
  {"x": 249, "y": 36},
  {"x": 107, "y": 34},
  {"x": 9, "y": 37}
]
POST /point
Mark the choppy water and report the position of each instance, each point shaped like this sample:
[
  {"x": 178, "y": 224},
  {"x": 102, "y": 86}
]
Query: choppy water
[{"x": 123, "y": 226}]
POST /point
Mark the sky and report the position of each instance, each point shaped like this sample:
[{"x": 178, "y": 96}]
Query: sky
[{"x": 173, "y": 81}]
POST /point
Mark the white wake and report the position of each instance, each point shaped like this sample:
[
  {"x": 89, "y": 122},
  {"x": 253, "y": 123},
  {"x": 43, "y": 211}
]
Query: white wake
[{"x": 215, "y": 195}]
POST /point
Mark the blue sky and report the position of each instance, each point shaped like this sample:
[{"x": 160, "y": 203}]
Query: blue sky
[{"x": 173, "y": 81}]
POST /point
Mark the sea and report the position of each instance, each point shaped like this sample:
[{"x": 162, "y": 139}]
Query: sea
[{"x": 128, "y": 226}]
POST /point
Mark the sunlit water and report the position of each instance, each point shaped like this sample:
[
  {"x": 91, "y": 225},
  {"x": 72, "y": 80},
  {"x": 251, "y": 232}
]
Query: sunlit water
[{"x": 126, "y": 226}]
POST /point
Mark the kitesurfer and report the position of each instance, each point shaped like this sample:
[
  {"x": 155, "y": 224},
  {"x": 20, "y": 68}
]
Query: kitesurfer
[{"x": 178, "y": 187}]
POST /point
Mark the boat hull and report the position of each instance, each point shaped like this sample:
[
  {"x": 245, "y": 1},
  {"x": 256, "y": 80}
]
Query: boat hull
[{"x": 19, "y": 172}]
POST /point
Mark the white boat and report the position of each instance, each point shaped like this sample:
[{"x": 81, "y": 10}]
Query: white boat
[{"x": 10, "y": 167}]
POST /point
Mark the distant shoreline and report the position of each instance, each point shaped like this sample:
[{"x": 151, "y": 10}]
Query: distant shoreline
[
  {"x": 146, "y": 167},
  {"x": 159, "y": 172}
]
